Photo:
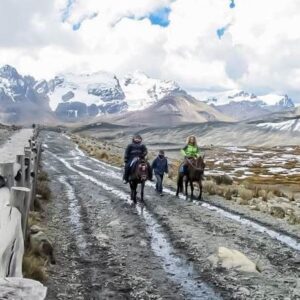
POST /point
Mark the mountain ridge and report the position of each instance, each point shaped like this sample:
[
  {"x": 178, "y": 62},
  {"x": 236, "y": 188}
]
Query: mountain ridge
[{"x": 72, "y": 97}]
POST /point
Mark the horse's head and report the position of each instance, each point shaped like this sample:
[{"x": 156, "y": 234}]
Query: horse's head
[
  {"x": 199, "y": 163},
  {"x": 142, "y": 170}
]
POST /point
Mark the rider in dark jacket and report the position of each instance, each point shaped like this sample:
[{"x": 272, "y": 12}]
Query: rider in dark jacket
[{"x": 134, "y": 150}]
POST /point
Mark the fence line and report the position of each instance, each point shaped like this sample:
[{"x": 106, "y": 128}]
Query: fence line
[{"x": 19, "y": 163}]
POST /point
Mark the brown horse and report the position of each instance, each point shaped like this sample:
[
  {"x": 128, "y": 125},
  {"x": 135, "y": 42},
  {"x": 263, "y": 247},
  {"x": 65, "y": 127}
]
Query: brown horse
[
  {"x": 138, "y": 175},
  {"x": 194, "y": 174}
]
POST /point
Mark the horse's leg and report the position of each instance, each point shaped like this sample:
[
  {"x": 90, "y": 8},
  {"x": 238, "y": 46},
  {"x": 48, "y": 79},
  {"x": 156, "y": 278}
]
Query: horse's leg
[
  {"x": 186, "y": 188},
  {"x": 131, "y": 190},
  {"x": 200, "y": 189},
  {"x": 179, "y": 185},
  {"x": 192, "y": 190},
  {"x": 142, "y": 190},
  {"x": 134, "y": 185}
]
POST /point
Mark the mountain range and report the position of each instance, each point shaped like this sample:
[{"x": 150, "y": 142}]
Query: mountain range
[{"x": 102, "y": 95}]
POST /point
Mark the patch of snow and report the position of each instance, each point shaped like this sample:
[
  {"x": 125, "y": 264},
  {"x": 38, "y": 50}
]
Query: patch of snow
[
  {"x": 277, "y": 170},
  {"x": 290, "y": 125}
]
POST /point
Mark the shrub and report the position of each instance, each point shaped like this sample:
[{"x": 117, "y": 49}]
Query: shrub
[
  {"x": 245, "y": 194},
  {"x": 228, "y": 194},
  {"x": 33, "y": 267},
  {"x": 292, "y": 197},
  {"x": 43, "y": 190},
  {"x": 209, "y": 187},
  {"x": 43, "y": 176},
  {"x": 223, "y": 179}
]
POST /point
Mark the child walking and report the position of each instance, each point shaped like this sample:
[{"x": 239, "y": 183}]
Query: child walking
[{"x": 160, "y": 167}]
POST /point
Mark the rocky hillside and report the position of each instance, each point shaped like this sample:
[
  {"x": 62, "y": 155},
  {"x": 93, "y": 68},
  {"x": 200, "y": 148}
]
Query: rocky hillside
[{"x": 174, "y": 109}]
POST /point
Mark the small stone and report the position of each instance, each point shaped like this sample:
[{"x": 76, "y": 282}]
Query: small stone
[{"x": 244, "y": 291}]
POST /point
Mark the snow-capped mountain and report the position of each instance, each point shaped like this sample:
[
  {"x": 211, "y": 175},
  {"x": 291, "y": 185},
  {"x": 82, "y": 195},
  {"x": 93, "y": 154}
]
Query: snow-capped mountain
[
  {"x": 21, "y": 97},
  {"x": 101, "y": 93},
  {"x": 243, "y": 105},
  {"x": 77, "y": 96},
  {"x": 142, "y": 91},
  {"x": 71, "y": 97}
]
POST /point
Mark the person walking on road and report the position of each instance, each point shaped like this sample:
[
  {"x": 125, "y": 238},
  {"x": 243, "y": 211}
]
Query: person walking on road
[{"x": 160, "y": 167}]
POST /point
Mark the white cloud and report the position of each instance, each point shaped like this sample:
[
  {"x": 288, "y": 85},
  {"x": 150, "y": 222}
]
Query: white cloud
[{"x": 260, "y": 50}]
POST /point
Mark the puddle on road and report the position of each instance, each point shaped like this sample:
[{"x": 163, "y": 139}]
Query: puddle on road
[
  {"x": 74, "y": 216},
  {"x": 178, "y": 268}
]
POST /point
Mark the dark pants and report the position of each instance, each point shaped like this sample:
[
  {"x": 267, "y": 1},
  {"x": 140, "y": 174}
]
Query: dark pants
[
  {"x": 159, "y": 181},
  {"x": 184, "y": 169},
  {"x": 126, "y": 171}
]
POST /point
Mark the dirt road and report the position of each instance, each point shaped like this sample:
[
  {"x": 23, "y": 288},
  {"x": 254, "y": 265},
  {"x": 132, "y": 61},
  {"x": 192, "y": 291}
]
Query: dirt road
[{"x": 106, "y": 248}]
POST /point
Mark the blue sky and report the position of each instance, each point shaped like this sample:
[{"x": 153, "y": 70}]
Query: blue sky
[
  {"x": 221, "y": 31},
  {"x": 160, "y": 17}
]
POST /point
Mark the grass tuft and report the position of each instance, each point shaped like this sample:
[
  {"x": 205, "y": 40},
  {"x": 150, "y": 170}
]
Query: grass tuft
[
  {"x": 245, "y": 193},
  {"x": 34, "y": 267},
  {"x": 43, "y": 190}
]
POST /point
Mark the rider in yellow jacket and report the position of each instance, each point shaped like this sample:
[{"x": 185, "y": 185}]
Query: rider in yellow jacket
[{"x": 191, "y": 150}]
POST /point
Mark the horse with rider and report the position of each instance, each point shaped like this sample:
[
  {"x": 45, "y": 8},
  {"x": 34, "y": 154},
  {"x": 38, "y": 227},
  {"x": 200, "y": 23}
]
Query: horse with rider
[
  {"x": 137, "y": 168},
  {"x": 192, "y": 168}
]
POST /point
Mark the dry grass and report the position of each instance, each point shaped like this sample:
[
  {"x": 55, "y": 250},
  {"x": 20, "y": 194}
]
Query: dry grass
[
  {"x": 228, "y": 194},
  {"x": 34, "y": 218},
  {"x": 223, "y": 179},
  {"x": 173, "y": 169},
  {"x": 210, "y": 187},
  {"x": 34, "y": 267},
  {"x": 101, "y": 155},
  {"x": 43, "y": 176},
  {"x": 43, "y": 190},
  {"x": 245, "y": 193}
]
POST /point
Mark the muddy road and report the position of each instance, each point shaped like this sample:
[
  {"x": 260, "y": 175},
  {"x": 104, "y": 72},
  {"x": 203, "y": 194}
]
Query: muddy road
[{"x": 107, "y": 248}]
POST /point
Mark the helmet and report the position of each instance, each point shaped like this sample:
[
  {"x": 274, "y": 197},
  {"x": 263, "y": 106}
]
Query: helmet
[{"x": 137, "y": 138}]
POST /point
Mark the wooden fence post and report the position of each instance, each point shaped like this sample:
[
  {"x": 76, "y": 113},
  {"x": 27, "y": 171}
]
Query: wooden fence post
[
  {"x": 7, "y": 171},
  {"x": 12, "y": 242},
  {"x": 20, "y": 198},
  {"x": 28, "y": 167},
  {"x": 21, "y": 161},
  {"x": 35, "y": 170}
]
